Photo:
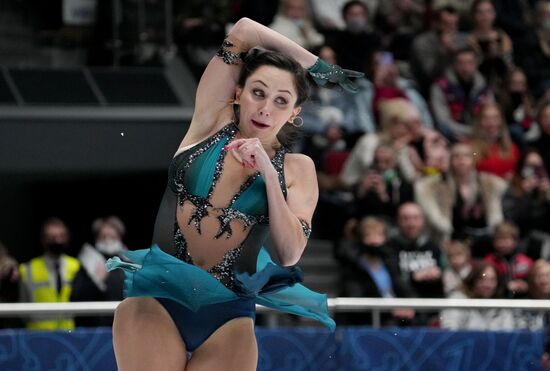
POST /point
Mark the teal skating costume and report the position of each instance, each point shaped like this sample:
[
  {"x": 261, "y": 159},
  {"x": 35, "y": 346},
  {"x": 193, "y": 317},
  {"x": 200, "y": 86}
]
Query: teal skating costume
[{"x": 201, "y": 301}]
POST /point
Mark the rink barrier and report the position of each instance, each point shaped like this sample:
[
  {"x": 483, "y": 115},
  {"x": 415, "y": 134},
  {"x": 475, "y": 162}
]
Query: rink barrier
[{"x": 336, "y": 305}]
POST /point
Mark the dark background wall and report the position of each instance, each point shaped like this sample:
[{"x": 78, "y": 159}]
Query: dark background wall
[{"x": 81, "y": 170}]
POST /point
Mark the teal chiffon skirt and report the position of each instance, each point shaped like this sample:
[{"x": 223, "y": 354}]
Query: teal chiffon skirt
[{"x": 154, "y": 273}]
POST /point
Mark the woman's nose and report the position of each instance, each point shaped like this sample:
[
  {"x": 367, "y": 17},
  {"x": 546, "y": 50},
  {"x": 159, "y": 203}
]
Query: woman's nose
[{"x": 265, "y": 111}]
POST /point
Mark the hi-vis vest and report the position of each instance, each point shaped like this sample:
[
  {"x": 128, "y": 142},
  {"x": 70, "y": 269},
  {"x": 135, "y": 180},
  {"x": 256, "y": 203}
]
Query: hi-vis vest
[{"x": 34, "y": 275}]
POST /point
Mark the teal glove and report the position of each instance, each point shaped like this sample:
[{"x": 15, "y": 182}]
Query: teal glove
[{"x": 332, "y": 74}]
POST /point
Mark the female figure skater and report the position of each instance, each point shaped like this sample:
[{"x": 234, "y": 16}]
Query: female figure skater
[{"x": 231, "y": 184}]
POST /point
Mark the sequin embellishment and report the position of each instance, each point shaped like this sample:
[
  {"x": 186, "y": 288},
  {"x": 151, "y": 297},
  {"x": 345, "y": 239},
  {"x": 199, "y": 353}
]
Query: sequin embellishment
[
  {"x": 306, "y": 228},
  {"x": 228, "y": 56},
  {"x": 223, "y": 271}
]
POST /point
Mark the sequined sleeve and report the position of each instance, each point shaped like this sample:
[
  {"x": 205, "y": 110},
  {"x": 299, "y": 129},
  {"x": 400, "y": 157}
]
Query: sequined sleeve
[
  {"x": 306, "y": 228},
  {"x": 230, "y": 53}
]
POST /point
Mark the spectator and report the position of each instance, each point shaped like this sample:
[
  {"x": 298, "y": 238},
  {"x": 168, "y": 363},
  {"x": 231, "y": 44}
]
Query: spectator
[
  {"x": 328, "y": 14},
  {"x": 388, "y": 84},
  {"x": 481, "y": 283},
  {"x": 535, "y": 59},
  {"x": 539, "y": 289},
  {"x": 48, "y": 278},
  {"x": 462, "y": 203},
  {"x": 459, "y": 261},
  {"x": 511, "y": 264},
  {"x": 457, "y": 96},
  {"x": 92, "y": 282},
  {"x": 512, "y": 18},
  {"x": 294, "y": 21},
  {"x": 432, "y": 50},
  {"x": 400, "y": 21},
  {"x": 462, "y": 7},
  {"x": 527, "y": 203},
  {"x": 418, "y": 258},
  {"x": 329, "y": 141},
  {"x": 382, "y": 188},
  {"x": 493, "y": 46},
  {"x": 199, "y": 27},
  {"x": 394, "y": 115},
  {"x": 428, "y": 149},
  {"x": 356, "y": 120},
  {"x": 368, "y": 272},
  {"x": 542, "y": 143},
  {"x": 355, "y": 44},
  {"x": 517, "y": 102},
  {"x": 494, "y": 150},
  {"x": 9, "y": 284}
]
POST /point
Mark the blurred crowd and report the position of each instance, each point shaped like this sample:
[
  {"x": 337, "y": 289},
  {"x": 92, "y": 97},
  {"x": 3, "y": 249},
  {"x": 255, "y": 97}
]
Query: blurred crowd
[{"x": 434, "y": 177}]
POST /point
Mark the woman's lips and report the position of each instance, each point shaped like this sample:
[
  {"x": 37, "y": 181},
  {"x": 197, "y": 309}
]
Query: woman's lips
[{"x": 258, "y": 124}]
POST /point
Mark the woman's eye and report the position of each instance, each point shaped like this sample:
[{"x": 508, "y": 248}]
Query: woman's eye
[
  {"x": 258, "y": 93},
  {"x": 281, "y": 100}
]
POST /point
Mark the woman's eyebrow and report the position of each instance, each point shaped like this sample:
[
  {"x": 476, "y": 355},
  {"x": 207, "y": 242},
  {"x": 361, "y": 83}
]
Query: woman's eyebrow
[{"x": 281, "y": 90}]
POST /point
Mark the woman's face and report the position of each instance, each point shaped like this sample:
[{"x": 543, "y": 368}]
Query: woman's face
[
  {"x": 544, "y": 120},
  {"x": 491, "y": 123},
  {"x": 462, "y": 160},
  {"x": 457, "y": 257},
  {"x": 518, "y": 82},
  {"x": 541, "y": 280},
  {"x": 484, "y": 15},
  {"x": 486, "y": 285},
  {"x": 266, "y": 102}
]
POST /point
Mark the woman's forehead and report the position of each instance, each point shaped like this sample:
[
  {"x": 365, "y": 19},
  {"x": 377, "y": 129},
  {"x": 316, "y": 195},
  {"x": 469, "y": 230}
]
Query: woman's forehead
[{"x": 273, "y": 77}]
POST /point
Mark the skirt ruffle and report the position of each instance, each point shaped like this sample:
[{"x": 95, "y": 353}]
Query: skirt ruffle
[{"x": 154, "y": 273}]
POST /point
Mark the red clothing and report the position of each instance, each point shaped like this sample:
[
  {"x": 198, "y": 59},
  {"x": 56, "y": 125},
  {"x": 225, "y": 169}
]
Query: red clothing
[
  {"x": 516, "y": 267},
  {"x": 495, "y": 164}
]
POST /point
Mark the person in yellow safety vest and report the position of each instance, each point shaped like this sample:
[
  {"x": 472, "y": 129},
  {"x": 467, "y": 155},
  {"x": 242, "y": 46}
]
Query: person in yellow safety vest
[{"x": 48, "y": 278}]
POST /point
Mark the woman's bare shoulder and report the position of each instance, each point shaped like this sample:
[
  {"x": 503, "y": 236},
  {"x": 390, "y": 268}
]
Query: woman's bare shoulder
[{"x": 299, "y": 167}]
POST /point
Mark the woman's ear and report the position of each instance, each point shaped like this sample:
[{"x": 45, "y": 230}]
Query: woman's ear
[
  {"x": 238, "y": 92},
  {"x": 295, "y": 112}
]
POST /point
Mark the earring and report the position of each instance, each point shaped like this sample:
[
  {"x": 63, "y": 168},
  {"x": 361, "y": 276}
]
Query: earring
[
  {"x": 293, "y": 122},
  {"x": 233, "y": 102}
]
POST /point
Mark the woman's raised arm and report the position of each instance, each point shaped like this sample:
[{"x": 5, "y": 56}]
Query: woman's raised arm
[{"x": 216, "y": 88}]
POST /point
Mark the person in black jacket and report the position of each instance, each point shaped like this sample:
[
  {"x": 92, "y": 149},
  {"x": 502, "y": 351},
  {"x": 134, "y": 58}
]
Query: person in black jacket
[
  {"x": 92, "y": 282},
  {"x": 418, "y": 258},
  {"x": 369, "y": 272}
]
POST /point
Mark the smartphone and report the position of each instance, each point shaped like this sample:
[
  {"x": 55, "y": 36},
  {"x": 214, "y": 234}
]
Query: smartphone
[{"x": 386, "y": 59}]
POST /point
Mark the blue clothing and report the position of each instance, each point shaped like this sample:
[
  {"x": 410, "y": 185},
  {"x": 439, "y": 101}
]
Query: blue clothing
[
  {"x": 382, "y": 280},
  {"x": 196, "y": 327},
  {"x": 198, "y": 300}
]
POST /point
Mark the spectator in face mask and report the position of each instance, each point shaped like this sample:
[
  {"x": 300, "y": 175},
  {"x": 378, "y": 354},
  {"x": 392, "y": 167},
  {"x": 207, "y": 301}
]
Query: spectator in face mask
[
  {"x": 92, "y": 282},
  {"x": 356, "y": 43},
  {"x": 294, "y": 21},
  {"x": 49, "y": 278}
]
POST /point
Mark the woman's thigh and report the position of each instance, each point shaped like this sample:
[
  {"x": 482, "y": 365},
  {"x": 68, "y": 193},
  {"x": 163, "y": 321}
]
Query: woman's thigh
[
  {"x": 231, "y": 347},
  {"x": 145, "y": 337}
]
